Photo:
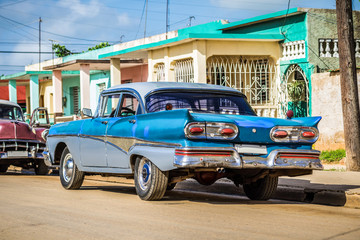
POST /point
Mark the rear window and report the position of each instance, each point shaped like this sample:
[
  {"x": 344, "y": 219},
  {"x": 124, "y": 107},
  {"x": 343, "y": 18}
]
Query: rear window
[
  {"x": 199, "y": 102},
  {"x": 10, "y": 112}
]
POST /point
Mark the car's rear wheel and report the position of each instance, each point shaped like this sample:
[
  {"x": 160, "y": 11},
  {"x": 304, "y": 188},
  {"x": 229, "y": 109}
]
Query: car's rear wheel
[
  {"x": 262, "y": 189},
  {"x": 70, "y": 176},
  {"x": 41, "y": 168},
  {"x": 3, "y": 168},
  {"x": 150, "y": 181}
]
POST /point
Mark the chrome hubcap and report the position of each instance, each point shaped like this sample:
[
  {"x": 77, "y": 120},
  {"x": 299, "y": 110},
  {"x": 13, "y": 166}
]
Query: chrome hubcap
[
  {"x": 144, "y": 174},
  {"x": 68, "y": 167}
]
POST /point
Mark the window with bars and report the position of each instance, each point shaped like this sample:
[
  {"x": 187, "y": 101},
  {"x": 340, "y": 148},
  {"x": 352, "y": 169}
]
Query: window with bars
[
  {"x": 253, "y": 76},
  {"x": 75, "y": 99},
  {"x": 160, "y": 72},
  {"x": 184, "y": 70}
]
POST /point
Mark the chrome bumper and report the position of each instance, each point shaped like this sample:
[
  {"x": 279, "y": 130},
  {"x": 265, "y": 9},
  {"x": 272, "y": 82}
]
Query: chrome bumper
[
  {"x": 24, "y": 155},
  {"x": 230, "y": 158},
  {"x": 47, "y": 158}
]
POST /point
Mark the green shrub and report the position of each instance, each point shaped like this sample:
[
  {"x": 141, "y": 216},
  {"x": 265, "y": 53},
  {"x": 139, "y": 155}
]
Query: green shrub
[{"x": 333, "y": 155}]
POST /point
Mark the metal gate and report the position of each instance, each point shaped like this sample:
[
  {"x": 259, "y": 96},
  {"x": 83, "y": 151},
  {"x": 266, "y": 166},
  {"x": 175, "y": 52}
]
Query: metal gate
[
  {"x": 254, "y": 76},
  {"x": 184, "y": 70}
]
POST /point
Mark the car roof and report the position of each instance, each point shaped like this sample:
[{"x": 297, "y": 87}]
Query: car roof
[
  {"x": 144, "y": 88},
  {"x": 5, "y": 102}
]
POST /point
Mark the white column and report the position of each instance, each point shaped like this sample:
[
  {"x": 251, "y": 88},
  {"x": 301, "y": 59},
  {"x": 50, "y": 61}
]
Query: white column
[
  {"x": 151, "y": 71},
  {"x": 57, "y": 92},
  {"x": 85, "y": 85},
  {"x": 34, "y": 92},
  {"x": 115, "y": 71},
  {"x": 199, "y": 56},
  {"x": 167, "y": 65},
  {"x": 12, "y": 91}
]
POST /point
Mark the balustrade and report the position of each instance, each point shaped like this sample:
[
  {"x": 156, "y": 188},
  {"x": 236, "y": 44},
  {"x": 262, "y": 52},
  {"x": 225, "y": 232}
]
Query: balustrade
[
  {"x": 329, "y": 48},
  {"x": 293, "y": 50}
]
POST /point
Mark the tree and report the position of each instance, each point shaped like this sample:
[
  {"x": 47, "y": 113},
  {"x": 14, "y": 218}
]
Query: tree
[
  {"x": 60, "y": 50},
  {"x": 101, "y": 45},
  {"x": 348, "y": 82}
]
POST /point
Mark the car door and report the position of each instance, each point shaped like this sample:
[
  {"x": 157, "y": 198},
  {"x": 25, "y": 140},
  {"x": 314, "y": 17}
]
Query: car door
[
  {"x": 93, "y": 134},
  {"x": 120, "y": 133}
]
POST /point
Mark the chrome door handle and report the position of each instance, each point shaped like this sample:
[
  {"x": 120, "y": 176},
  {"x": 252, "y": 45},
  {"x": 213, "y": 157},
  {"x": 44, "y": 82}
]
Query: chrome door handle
[
  {"x": 133, "y": 121},
  {"x": 104, "y": 122}
]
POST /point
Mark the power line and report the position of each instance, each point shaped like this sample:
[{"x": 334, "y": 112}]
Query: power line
[
  {"x": 5, "y": 65},
  {"x": 142, "y": 15},
  {"x": 9, "y": 4},
  {"x": 56, "y": 34},
  {"x": 25, "y": 52}
]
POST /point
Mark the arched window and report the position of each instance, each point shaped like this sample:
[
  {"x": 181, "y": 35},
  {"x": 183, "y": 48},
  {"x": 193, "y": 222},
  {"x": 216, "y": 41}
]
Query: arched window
[{"x": 184, "y": 70}]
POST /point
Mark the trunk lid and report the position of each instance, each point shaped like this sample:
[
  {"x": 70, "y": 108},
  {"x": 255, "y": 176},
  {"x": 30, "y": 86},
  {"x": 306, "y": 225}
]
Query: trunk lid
[{"x": 254, "y": 129}]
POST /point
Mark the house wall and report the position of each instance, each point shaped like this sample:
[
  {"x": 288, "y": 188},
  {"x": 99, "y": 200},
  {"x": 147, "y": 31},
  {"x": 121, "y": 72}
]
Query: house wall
[
  {"x": 95, "y": 80},
  {"x": 135, "y": 74},
  {"x": 46, "y": 90},
  {"x": 327, "y": 104},
  {"x": 67, "y": 84},
  {"x": 200, "y": 50},
  {"x": 322, "y": 25}
]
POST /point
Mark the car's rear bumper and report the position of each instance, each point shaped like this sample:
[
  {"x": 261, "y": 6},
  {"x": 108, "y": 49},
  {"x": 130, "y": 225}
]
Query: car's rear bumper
[{"x": 230, "y": 158}]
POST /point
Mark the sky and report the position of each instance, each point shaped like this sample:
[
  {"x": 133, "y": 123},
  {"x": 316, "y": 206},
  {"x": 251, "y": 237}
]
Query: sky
[{"x": 80, "y": 24}]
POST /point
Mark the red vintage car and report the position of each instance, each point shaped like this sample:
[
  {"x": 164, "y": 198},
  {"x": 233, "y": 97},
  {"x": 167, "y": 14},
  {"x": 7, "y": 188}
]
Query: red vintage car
[{"x": 22, "y": 144}]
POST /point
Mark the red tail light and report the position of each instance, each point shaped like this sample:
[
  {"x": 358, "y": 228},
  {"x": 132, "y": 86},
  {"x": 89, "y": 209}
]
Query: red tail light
[
  {"x": 308, "y": 134},
  {"x": 280, "y": 134},
  {"x": 227, "y": 131},
  {"x": 196, "y": 130}
]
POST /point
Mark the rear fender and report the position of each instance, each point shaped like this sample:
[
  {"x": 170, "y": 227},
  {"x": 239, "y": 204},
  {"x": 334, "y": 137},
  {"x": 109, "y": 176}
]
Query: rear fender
[{"x": 161, "y": 156}]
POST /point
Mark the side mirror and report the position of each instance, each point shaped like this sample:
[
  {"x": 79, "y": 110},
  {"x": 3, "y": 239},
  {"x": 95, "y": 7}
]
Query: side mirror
[{"x": 87, "y": 112}]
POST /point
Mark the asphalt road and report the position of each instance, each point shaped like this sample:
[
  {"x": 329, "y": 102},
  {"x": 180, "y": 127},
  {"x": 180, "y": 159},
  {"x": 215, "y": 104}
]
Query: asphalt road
[{"x": 37, "y": 207}]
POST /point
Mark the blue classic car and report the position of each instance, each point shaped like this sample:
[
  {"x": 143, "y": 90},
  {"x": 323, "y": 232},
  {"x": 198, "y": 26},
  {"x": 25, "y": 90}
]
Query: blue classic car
[{"x": 163, "y": 133}]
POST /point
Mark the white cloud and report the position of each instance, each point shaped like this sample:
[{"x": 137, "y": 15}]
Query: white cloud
[{"x": 123, "y": 19}]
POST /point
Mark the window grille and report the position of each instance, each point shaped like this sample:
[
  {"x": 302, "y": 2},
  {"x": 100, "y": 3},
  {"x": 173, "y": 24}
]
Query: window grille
[
  {"x": 184, "y": 70},
  {"x": 75, "y": 94},
  {"x": 253, "y": 76},
  {"x": 160, "y": 72}
]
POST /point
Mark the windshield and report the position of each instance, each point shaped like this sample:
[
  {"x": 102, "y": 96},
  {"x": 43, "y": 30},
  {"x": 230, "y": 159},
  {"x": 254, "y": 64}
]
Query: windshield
[
  {"x": 199, "y": 102},
  {"x": 10, "y": 112}
]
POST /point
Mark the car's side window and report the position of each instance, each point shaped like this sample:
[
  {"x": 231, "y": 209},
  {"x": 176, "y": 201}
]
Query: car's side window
[
  {"x": 109, "y": 104},
  {"x": 129, "y": 105}
]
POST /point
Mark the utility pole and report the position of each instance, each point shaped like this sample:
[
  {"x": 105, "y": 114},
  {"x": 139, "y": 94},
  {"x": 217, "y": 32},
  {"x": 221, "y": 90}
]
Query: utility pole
[
  {"x": 348, "y": 82},
  {"x": 40, "y": 43},
  {"x": 167, "y": 18},
  {"x": 146, "y": 10}
]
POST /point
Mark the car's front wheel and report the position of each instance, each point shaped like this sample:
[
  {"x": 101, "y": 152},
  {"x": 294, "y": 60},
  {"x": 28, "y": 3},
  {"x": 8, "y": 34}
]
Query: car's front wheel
[
  {"x": 150, "y": 181},
  {"x": 262, "y": 189},
  {"x": 70, "y": 176}
]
